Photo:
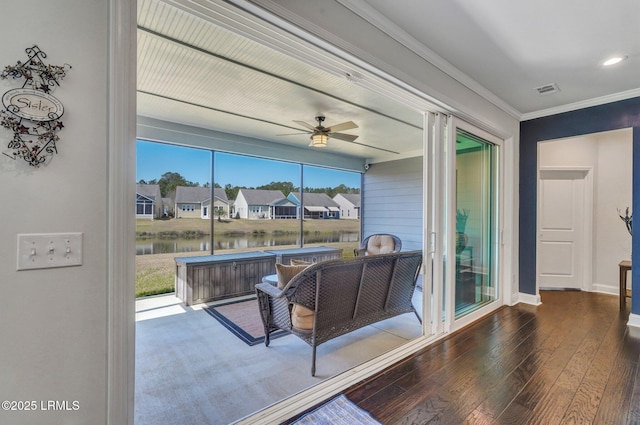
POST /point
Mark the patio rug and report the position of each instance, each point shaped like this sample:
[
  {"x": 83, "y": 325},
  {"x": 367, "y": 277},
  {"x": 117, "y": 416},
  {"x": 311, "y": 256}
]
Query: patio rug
[
  {"x": 339, "y": 411},
  {"x": 242, "y": 318}
]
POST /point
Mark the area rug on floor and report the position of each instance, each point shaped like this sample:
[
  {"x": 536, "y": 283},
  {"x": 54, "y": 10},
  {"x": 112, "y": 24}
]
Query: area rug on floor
[
  {"x": 339, "y": 411},
  {"x": 242, "y": 318}
]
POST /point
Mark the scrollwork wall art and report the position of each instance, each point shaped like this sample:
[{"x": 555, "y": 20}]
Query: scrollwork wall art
[{"x": 31, "y": 112}]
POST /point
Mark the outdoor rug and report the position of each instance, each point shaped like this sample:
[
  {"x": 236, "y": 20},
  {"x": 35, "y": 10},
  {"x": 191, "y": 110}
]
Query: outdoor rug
[
  {"x": 242, "y": 318},
  {"x": 339, "y": 411}
]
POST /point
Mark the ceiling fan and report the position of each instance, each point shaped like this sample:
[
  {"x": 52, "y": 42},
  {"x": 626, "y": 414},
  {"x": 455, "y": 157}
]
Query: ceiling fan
[{"x": 320, "y": 134}]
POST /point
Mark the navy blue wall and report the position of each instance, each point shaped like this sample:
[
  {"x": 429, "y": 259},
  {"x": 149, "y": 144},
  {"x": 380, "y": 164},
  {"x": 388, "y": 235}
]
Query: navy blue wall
[{"x": 612, "y": 116}]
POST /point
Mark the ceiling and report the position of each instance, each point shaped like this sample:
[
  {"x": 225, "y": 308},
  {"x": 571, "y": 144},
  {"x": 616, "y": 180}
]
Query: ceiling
[
  {"x": 512, "y": 47},
  {"x": 193, "y": 72}
]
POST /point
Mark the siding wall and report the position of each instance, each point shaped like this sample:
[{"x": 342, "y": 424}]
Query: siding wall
[
  {"x": 393, "y": 200},
  {"x": 196, "y": 213}
]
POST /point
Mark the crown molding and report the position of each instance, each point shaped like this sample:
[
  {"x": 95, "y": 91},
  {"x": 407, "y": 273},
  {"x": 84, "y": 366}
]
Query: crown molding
[
  {"x": 375, "y": 18},
  {"x": 582, "y": 104}
]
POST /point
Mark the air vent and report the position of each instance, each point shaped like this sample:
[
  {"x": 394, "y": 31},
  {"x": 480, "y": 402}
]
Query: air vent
[{"x": 548, "y": 89}]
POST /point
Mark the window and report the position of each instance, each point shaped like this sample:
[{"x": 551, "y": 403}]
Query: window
[
  {"x": 257, "y": 205},
  {"x": 144, "y": 207}
]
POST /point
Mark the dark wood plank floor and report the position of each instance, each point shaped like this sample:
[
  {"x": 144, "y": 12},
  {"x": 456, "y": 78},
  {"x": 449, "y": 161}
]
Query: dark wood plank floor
[{"x": 570, "y": 360}]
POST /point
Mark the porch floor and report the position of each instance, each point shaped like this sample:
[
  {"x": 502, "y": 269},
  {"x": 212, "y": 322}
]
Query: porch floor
[{"x": 191, "y": 370}]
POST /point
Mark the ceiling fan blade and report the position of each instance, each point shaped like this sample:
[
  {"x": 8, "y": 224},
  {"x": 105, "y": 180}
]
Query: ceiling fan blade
[
  {"x": 304, "y": 124},
  {"x": 293, "y": 134},
  {"x": 374, "y": 147},
  {"x": 342, "y": 136},
  {"x": 343, "y": 126}
]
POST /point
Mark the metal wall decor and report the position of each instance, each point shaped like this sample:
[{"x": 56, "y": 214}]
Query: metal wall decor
[{"x": 31, "y": 112}]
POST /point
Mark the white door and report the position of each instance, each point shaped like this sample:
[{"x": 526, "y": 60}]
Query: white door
[{"x": 561, "y": 229}]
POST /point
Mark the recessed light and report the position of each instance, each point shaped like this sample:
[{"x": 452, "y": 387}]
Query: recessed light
[{"x": 614, "y": 60}]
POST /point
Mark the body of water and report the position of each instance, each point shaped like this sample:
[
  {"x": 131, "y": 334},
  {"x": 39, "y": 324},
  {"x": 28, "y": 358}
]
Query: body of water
[{"x": 168, "y": 246}]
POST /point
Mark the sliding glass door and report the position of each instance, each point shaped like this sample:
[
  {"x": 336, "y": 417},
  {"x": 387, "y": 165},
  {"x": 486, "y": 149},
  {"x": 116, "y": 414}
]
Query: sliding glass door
[{"x": 473, "y": 224}]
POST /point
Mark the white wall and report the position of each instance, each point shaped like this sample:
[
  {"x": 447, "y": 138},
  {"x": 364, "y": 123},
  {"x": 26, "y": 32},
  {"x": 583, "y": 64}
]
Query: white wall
[
  {"x": 610, "y": 156},
  {"x": 393, "y": 200},
  {"x": 53, "y": 322}
]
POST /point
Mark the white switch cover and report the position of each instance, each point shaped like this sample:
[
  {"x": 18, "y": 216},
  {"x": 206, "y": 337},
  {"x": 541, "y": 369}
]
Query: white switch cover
[{"x": 47, "y": 250}]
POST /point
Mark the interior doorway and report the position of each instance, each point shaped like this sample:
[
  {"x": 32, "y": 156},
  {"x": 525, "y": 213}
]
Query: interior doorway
[
  {"x": 564, "y": 215},
  {"x": 583, "y": 182}
]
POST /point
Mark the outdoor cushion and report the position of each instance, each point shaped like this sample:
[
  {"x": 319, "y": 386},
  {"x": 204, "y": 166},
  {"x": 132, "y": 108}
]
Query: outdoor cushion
[
  {"x": 380, "y": 244},
  {"x": 285, "y": 273},
  {"x": 301, "y": 317}
]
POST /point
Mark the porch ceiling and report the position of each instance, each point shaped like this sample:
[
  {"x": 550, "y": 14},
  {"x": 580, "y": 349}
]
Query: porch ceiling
[{"x": 193, "y": 72}]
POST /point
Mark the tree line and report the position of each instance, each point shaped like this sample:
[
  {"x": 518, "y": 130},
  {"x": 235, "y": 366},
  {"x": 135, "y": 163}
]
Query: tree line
[{"x": 170, "y": 180}]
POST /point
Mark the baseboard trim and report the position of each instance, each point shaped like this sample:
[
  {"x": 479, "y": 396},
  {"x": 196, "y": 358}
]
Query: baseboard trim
[
  {"x": 606, "y": 289},
  {"x": 634, "y": 321},
  {"x": 529, "y": 299}
]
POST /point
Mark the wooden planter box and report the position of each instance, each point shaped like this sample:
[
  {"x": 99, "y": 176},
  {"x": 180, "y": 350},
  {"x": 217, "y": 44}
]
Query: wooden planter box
[
  {"x": 215, "y": 277},
  {"x": 311, "y": 254}
]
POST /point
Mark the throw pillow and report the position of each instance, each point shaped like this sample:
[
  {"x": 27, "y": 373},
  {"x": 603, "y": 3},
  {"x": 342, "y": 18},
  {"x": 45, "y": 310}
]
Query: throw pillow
[
  {"x": 286, "y": 273},
  {"x": 301, "y": 317}
]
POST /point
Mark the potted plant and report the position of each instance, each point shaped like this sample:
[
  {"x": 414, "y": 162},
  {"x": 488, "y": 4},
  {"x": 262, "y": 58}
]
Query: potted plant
[{"x": 461, "y": 224}]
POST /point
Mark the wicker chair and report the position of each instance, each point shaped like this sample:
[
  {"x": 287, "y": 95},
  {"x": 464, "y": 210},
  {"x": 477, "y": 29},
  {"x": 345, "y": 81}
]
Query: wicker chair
[
  {"x": 380, "y": 243},
  {"x": 341, "y": 295}
]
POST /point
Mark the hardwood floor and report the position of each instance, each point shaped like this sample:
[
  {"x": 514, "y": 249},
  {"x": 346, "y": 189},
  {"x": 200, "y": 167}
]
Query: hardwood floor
[{"x": 570, "y": 360}]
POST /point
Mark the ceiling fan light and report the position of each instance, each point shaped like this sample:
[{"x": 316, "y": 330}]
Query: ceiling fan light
[{"x": 319, "y": 140}]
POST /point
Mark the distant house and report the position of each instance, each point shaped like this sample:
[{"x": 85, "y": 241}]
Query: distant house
[
  {"x": 285, "y": 209},
  {"x": 263, "y": 204},
  {"x": 148, "y": 201},
  {"x": 349, "y": 205},
  {"x": 317, "y": 205},
  {"x": 195, "y": 202}
]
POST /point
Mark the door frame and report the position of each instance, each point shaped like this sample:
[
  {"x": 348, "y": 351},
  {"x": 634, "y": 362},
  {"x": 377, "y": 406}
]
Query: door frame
[
  {"x": 121, "y": 362},
  {"x": 587, "y": 226}
]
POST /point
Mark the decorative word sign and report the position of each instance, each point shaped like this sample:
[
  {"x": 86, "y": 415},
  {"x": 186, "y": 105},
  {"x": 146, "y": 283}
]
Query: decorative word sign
[{"x": 31, "y": 112}]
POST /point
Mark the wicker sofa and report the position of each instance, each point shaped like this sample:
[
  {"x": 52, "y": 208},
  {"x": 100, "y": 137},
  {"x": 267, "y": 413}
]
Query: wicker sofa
[{"x": 340, "y": 296}]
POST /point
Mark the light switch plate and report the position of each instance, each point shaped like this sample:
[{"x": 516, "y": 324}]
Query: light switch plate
[{"x": 47, "y": 250}]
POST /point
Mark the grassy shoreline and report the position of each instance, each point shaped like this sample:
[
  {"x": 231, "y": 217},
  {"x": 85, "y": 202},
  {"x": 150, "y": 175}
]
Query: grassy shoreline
[
  {"x": 155, "y": 273},
  {"x": 181, "y": 227}
]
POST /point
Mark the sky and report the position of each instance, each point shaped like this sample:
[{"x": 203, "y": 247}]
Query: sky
[{"x": 155, "y": 159}]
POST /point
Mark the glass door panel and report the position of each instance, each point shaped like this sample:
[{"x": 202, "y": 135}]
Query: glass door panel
[
  {"x": 475, "y": 224},
  {"x": 473, "y": 212}
]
